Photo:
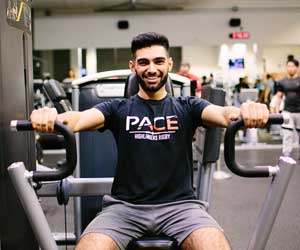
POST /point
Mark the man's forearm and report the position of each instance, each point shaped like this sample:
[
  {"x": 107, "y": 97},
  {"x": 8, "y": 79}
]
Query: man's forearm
[
  {"x": 85, "y": 120},
  {"x": 71, "y": 119},
  {"x": 219, "y": 116}
]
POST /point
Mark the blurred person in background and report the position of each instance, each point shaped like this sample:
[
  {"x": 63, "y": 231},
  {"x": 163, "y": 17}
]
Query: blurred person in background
[
  {"x": 67, "y": 83},
  {"x": 271, "y": 84},
  {"x": 184, "y": 70},
  {"x": 289, "y": 87},
  {"x": 264, "y": 92},
  {"x": 243, "y": 84}
]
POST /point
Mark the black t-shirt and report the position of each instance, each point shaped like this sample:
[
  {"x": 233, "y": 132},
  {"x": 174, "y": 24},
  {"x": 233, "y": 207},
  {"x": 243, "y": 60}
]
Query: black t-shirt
[
  {"x": 154, "y": 140},
  {"x": 291, "y": 88}
]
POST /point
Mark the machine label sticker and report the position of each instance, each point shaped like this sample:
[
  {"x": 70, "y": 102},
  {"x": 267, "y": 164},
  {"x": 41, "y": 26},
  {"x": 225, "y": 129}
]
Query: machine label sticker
[
  {"x": 158, "y": 129},
  {"x": 18, "y": 14}
]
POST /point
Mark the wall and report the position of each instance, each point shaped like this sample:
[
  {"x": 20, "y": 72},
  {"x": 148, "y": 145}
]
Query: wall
[
  {"x": 187, "y": 28},
  {"x": 275, "y": 56},
  {"x": 203, "y": 59}
]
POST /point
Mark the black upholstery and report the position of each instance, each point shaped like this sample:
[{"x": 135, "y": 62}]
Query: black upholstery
[
  {"x": 153, "y": 243},
  {"x": 57, "y": 95},
  {"x": 150, "y": 242},
  {"x": 132, "y": 86}
]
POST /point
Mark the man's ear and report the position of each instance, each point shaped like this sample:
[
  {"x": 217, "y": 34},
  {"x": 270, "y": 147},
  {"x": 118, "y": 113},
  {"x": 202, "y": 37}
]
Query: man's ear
[
  {"x": 170, "y": 62},
  {"x": 131, "y": 66}
]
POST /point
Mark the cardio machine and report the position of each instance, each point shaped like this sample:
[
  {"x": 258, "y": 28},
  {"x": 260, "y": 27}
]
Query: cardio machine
[{"x": 24, "y": 183}]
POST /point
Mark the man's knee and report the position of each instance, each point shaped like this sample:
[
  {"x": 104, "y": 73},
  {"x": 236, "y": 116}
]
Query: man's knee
[
  {"x": 96, "y": 241},
  {"x": 206, "y": 238}
]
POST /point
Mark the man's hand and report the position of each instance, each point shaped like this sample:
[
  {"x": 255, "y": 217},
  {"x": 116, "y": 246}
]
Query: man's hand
[
  {"x": 255, "y": 115},
  {"x": 43, "y": 119}
]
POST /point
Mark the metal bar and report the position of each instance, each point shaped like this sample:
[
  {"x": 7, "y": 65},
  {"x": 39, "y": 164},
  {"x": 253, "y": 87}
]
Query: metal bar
[
  {"x": 272, "y": 204},
  {"x": 31, "y": 206},
  {"x": 79, "y": 187},
  {"x": 204, "y": 182},
  {"x": 77, "y": 200}
]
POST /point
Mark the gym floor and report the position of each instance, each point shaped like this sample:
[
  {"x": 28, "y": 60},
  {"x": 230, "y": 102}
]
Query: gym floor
[{"x": 235, "y": 202}]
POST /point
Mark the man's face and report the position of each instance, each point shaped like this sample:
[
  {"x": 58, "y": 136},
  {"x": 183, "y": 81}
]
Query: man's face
[
  {"x": 291, "y": 68},
  {"x": 151, "y": 65}
]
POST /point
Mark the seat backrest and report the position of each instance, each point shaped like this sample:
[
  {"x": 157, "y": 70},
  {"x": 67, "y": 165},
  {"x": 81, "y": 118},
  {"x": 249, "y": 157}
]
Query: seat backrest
[
  {"x": 57, "y": 95},
  {"x": 132, "y": 86}
]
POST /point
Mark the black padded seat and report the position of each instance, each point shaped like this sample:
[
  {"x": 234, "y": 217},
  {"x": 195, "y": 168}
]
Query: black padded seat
[
  {"x": 132, "y": 86},
  {"x": 153, "y": 243}
]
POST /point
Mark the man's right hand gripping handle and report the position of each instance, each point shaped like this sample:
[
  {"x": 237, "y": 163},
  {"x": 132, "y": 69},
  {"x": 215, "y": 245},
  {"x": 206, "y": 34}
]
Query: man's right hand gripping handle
[{"x": 43, "y": 119}]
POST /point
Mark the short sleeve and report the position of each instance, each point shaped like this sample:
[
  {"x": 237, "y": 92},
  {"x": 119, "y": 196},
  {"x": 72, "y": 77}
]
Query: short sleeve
[
  {"x": 197, "y": 105},
  {"x": 279, "y": 86},
  {"x": 107, "y": 109}
]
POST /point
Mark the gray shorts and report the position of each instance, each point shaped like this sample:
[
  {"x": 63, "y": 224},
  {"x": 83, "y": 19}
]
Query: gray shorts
[
  {"x": 123, "y": 221},
  {"x": 293, "y": 122}
]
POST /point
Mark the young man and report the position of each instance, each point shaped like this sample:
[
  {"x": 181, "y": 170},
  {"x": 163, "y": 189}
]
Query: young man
[
  {"x": 290, "y": 88},
  {"x": 152, "y": 190}
]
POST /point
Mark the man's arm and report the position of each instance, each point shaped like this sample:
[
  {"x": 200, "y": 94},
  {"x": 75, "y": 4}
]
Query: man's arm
[
  {"x": 254, "y": 115},
  {"x": 43, "y": 119},
  {"x": 275, "y": 102}
]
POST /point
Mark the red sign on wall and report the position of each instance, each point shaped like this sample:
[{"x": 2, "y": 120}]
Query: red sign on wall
[{"x": 239, "y": 35}]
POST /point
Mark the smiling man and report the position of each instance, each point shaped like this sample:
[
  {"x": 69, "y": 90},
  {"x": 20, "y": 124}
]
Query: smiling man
[{"x": 152, "y": 190}]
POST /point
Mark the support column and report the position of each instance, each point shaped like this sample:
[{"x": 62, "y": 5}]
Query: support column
[
  {"x": 91, "y": 61},
  {"x": 76, "y": 61}
]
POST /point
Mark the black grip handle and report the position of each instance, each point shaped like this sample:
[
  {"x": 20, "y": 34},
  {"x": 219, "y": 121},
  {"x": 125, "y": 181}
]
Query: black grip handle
[
  {"x": 229, "y": 149},
  {"x": 68, "y": 166}
]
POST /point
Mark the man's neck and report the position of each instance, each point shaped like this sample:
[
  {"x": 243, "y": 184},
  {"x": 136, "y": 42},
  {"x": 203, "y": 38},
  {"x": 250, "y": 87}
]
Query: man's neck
[{"x": 158, "y": 95}]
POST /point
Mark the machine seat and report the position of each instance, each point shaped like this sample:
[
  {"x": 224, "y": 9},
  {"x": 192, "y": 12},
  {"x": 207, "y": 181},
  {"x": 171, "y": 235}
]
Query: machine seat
[{"x": 153, "y": 243}]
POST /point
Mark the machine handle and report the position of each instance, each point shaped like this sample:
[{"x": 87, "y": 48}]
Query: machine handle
[
  {"x": 68, "y": 166},
  {"x": 229, "y": 149}
]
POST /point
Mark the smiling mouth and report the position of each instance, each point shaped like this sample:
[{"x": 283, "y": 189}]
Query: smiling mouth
[{"x": 152, "y": 79}]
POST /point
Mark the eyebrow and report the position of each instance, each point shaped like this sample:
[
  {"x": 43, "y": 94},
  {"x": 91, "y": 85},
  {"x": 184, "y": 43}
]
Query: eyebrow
[{"x": 155, "y": 59}]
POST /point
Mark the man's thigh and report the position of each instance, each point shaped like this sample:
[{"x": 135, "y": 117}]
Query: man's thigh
[
  {"x": 206, "y": 238},
  {"x": 181, "y": 219},
  {"x": 96, "y": 241},
  {"x": 120, "y": 222}
]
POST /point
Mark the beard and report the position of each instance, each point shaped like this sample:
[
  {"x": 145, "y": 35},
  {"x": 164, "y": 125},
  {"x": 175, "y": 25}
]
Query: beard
[{"x": 152, "y": 88}]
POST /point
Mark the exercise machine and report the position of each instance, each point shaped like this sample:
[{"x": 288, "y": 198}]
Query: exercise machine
[
  {"x": 207, "y": 147},
  {"x": 25, "y": 181},
  {"x": 16, "y": 101},
  {"x": 279, "y": 179}
]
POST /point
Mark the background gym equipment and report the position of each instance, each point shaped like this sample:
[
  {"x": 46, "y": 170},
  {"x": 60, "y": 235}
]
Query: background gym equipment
[
  {"x": 16, "y": 91},
  {"x": 207, "y": 147}
]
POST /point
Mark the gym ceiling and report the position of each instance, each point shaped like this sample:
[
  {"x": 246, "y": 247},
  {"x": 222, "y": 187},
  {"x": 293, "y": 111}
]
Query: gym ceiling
[{"x": 49, "y": 7}]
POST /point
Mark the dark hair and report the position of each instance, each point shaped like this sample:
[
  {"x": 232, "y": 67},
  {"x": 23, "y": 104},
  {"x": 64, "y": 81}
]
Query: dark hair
[
  {"x": 290, "y": 57},
  {"x": 294, "y": 61},
  {"x": 147, "y": 40}
]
